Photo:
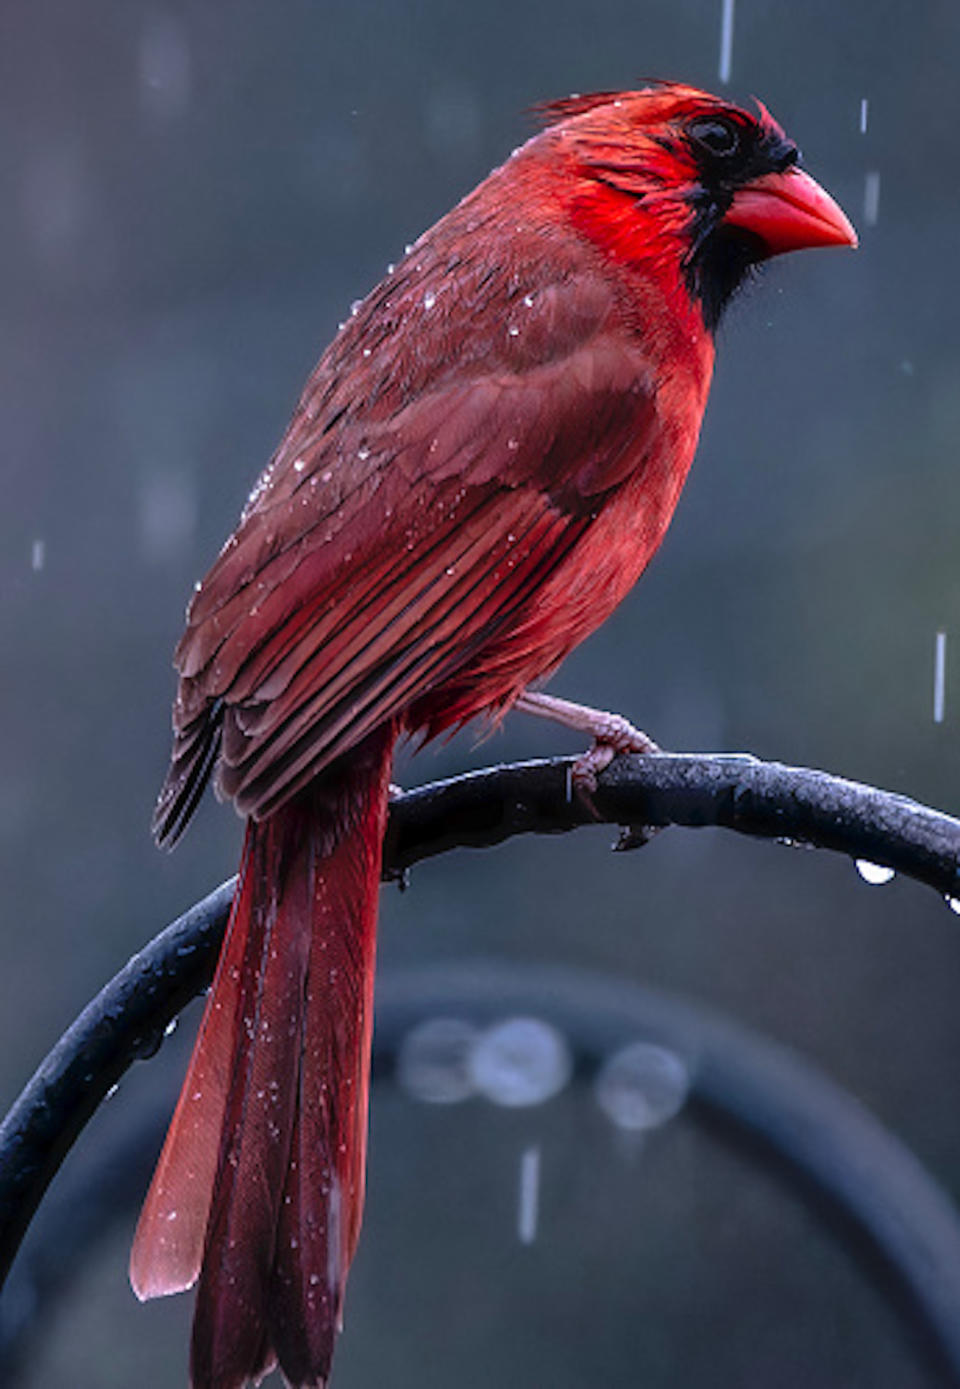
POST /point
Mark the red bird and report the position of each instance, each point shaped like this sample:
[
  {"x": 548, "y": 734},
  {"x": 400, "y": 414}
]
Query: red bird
[{"x": 479, "y": 469}]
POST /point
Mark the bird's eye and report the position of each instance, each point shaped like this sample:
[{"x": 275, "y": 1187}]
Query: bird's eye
[{"x": 719, "y": 137}]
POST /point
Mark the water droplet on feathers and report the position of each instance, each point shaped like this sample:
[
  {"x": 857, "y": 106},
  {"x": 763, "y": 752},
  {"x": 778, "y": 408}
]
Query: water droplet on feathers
[{"x": 429, "y": 299}]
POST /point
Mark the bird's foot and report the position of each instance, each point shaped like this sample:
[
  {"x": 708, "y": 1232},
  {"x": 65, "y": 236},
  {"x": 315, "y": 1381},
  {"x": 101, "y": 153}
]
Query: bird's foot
[{"x": 612, "y": 735}]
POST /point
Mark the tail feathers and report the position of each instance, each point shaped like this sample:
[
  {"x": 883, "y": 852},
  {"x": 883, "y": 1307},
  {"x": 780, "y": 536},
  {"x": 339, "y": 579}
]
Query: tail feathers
[
  {"x": 259, "y": 1188},
  {"x": 323, "y": 1198},
  {"x": 260, "y": 1111},
  {"x": 168, "y": 1244}
]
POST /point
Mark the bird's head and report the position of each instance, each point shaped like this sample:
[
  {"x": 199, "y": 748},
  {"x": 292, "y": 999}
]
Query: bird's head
[{"x": 670, "y": 170}]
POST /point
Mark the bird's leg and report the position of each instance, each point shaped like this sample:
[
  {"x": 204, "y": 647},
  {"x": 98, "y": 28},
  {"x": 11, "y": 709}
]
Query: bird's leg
[{"x": 612, "y": 734}]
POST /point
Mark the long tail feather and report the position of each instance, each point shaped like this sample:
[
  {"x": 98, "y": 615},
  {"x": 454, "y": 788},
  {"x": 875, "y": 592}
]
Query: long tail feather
[
  {"x": 261, "y": 1177},
  {"x": 168, "y": 1245}
]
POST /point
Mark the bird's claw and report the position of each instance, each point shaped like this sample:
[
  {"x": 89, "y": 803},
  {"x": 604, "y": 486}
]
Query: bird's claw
[{"x": 613, "y": 737}]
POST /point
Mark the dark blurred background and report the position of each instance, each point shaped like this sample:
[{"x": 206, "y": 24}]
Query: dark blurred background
[{"x": 193, "y": 193}]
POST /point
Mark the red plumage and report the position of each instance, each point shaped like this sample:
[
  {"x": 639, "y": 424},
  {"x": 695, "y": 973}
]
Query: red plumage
[{"x": 479, "y": 468}]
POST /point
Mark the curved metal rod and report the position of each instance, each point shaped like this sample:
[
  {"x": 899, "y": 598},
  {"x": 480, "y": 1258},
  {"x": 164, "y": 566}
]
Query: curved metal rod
[
  {"x": 127, "y": 1019},
  {"x": 788, "y": 1110}
]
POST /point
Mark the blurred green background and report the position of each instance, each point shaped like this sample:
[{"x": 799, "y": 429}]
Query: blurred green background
[{"x": 193, "y": 194}]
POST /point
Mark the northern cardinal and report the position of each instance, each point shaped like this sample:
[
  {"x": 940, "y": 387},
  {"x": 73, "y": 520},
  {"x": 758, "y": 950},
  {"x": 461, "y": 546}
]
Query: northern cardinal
[{"x": 478, "y": 470}]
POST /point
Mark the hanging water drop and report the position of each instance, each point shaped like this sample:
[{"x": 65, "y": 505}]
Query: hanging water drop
[{"x": 876, "y": 874}]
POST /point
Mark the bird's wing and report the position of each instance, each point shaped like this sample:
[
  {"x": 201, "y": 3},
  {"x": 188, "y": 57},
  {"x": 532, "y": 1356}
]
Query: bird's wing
[{"x": 378, "y": 555}]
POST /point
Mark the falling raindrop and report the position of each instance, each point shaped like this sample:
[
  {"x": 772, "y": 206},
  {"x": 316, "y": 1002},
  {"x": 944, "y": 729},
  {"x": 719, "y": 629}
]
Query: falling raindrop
[
  {"x": 871, "y": 198},
  {"x": 939, "y": 676},
  {"x": 876, "y": 874},
  {"x": 528, "y": 1197},
  {"x": 165, "y": 67},
  {"x": 168, "y": 511},
  {"x": 38, "y": 555},
  {"x": 864, "y": 110},
  {"x": 522, "y": 1061},
  {"x": 434, "y": 1061},
  {"x": 642, "y": 1086},
  {"x": 726, "y": 41}
]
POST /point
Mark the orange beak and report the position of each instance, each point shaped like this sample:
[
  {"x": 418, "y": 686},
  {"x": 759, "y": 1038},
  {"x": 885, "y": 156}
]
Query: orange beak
[{"x": 789, "y": 212}]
